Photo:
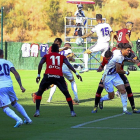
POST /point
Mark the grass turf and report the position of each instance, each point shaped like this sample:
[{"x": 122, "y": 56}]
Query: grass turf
[{"x": 55, "y": 121}]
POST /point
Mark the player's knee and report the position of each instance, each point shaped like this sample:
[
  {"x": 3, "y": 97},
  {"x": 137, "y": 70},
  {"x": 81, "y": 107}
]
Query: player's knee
[
  {"x": 39, "y": 93},
  {"x": 111, "y": 96},
  {"x": 122, "y": 91},
  {"x": 13, "y": 103},
  {"x": 126, "y": 85}
]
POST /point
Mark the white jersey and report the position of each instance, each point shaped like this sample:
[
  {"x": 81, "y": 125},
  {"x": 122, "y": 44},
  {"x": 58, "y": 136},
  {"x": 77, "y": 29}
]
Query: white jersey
[
  {"x": 34, "y": 50},
  {"x": 78, "y": 14},
  {"x": 25, "y": 50},
  {"x": 5, "y": 79},
  {"x": 103, "y": 32},
  {"x": 111, "y": 66}
]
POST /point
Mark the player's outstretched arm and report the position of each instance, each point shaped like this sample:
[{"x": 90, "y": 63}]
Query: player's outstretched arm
[
  {"x": 17, "y": 76},
  {"x": 87, "y": 35},
  {"x": 43, "y": 60},
  {"x": 71, "y": 68}
]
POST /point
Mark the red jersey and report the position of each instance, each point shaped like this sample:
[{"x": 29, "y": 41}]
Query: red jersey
[
  {"x": 54, "y": 62},
  {"x": 105, "y": 61},
  {"x": 50, "y": 49},
  {"x": 121, "y": 35}
]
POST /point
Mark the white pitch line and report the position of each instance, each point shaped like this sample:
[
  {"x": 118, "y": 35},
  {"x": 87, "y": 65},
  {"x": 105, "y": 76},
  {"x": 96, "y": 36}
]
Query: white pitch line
[
  {"x": 79, "y": 125},
  {"x": 110, "y": 128}
]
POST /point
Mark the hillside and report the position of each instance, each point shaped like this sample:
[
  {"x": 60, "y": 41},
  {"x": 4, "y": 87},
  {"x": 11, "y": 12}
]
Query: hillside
[{"x": 43, "y": 20}]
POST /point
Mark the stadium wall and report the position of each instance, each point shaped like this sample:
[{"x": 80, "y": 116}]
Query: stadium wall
[{"x": 13, "y": 53}]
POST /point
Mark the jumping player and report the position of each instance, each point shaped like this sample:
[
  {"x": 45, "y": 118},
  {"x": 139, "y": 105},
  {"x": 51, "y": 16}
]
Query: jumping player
[
  {"x": 104, "y": 31},
  {"x": 53, "y": 75},
  {"x": 7, "y": 93}
]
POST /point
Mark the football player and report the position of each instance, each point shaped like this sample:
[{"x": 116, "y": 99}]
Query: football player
[
  {"x": 111, "y": 76},
  {"x": 7, "y": 93},
  {"x": 67, "y": 74},
  {"x": 104, "y": 31},
  {"x": 54, "y": 75},
  {"x": 108, "y": 54}
]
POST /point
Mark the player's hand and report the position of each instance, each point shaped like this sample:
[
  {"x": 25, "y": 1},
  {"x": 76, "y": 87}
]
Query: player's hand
[
  {"x": 100, "y": 69},
  {"x": 127, "y": 72},
  {"x": 37, "y": 79},
  {"x": 79, "y": 77},
  {"x": 22, "y": 89}
]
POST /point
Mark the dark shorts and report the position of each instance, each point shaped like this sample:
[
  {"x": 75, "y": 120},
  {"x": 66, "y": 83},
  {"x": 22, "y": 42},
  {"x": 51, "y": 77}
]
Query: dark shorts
[
  {"x": 53, "y": 79},
  {"x": 124, "y": 78}
]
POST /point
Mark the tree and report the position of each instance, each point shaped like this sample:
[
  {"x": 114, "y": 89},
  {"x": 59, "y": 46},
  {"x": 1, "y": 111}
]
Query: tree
[{"x": 55, "y": 19}]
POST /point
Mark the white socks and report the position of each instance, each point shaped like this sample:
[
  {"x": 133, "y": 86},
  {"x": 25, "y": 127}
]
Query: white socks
[
  {"x": 86, "y": 60},
  {"x": 52, "y": 92},
  {"x": 124, "y": 101},
  {"x": 9, "y": 112},
  {"x": 74, "y": 88},
  {"x": 21, "y": 110},
  {"x": 105, "y": 98}
]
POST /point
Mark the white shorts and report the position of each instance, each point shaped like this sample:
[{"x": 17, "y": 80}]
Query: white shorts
[
  {"x": 67, "y": 72},
  {"x": 99, "y": 46},
  {"x": 112, "y": 80},
  {"x": 7, "y": 95}
]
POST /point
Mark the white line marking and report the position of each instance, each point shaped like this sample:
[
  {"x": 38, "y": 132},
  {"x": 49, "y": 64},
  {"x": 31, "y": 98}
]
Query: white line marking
[
  {"x": 109, "y": 128},
  {"x": 79, "y": 125}
]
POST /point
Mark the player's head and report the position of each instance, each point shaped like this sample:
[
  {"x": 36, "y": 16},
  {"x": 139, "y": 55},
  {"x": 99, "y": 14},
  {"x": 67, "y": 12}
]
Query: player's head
[
  {"x": 108, "y": 54},
  {"x": 125, "y": 48},
  {"x": 129, "y": 25},
  {"x": 67, "y": 44},
  {"x": 80, "y": 7},
  {"x": 99, "y": 18},
  {"x": 1, "y": 53},
  {"x": 58, "y": 41},
  {"x": 55, "y": 48}
]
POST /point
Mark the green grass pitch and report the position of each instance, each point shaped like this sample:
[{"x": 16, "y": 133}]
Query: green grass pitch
[{"x": 55, "y": 122}]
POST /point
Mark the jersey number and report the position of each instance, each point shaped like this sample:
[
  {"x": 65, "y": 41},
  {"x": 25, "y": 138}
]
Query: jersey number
[
  {"x": 120, "y": 36},
  {"x": 6, "y": 69},
  {"x": 43, "y": 49},
  {"x": 105, "y": 31},
  {"x": 53, "y": 60}
]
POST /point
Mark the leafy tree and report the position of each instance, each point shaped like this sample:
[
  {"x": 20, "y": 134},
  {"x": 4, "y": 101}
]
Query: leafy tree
[{"x": 55, "y": 19}]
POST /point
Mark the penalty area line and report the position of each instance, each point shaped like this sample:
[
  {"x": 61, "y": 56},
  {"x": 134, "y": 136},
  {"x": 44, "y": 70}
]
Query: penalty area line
[
  {"x": 111, "y": 128},
  {"x": 80, "y": 125}
]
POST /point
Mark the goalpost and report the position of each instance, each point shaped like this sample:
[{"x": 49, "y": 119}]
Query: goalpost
[{"x": 1, "y": 11}]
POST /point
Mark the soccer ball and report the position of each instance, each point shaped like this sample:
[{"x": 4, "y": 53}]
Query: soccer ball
[{"x": 79, "y": 41}]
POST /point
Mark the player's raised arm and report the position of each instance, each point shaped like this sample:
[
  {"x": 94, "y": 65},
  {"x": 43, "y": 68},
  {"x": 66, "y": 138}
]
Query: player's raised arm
[
  {"x": 43, "y": 60},
  {"x": 71, "y": 68},
  {"x": 17, "y": 76}
]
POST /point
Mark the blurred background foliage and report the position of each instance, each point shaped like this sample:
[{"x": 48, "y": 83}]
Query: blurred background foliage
[{"x": 43, "y": 20}]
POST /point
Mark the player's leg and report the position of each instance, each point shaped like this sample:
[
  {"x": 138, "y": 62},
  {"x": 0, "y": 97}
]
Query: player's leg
[
  {"x": 63, "y": 87},
  {"x": 128, "y": 90},
  {"x": 108, "y": 85},
  {"x": 98, "y": 96},
  {"x": 69, "y": 76},
  {"x": 45, "y": 83},
  {"x": 119, "y": 84},
  {"x": 4, "y": 102},
  {"x": 18, "y": 106},
  {"x": 52, "y": 91}
]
